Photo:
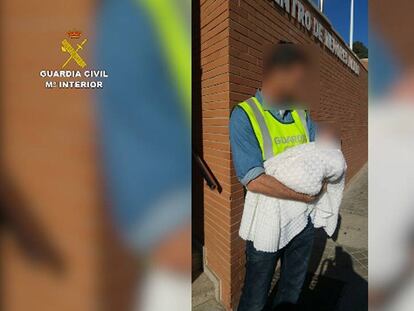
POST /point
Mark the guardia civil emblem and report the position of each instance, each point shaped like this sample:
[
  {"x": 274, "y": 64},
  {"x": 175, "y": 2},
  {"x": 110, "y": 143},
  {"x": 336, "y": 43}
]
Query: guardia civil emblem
[{"x": 74, "y": 49}]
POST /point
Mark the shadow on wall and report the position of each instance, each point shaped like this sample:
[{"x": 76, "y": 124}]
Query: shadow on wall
[
  {"x": 17, "y": 218},
  {"x": 18, "y": 221},
  {"x": 197, "y": 131}
]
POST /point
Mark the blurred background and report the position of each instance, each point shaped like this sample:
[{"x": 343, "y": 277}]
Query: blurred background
[
  {"x": 391, "y": 150},
  {"x": 95, "y": 184}
]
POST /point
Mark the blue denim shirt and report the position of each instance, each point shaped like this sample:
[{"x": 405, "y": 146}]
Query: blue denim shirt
[
  {"x": 247, "y": 156},
  {"x": 144, "y": 135}
]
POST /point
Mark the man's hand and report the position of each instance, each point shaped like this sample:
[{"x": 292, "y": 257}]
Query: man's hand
[
  {"x": 270, "y": 186},
  {"x": 309, "y": 198},
  {"x": 174, "y": 251},
  {"x": 312, "y": 198}
]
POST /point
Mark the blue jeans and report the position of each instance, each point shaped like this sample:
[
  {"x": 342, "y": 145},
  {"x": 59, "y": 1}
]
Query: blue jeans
[{"x": 260, "y": 268}]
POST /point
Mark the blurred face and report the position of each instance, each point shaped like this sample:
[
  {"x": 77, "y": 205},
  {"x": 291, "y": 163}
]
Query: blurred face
[
  {"x": 328, "y": 134},
  {"x": 288, "y": 81}
]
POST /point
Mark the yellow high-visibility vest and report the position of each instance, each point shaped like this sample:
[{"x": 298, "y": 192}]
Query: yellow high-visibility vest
[
  {"x": 176, "y": 44},
  {"x": 272, "y": 135}
]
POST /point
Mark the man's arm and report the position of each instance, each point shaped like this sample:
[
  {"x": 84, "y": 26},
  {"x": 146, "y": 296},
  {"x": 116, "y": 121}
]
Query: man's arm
[
  {"x": 270, "y": 186},
  {"x": 248, "y": 162}
]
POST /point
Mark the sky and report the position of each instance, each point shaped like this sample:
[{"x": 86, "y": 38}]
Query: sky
[{"x": 338, "y": 12}]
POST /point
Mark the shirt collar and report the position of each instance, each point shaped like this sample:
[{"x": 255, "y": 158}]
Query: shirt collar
[{"x": 266, "y": 105}]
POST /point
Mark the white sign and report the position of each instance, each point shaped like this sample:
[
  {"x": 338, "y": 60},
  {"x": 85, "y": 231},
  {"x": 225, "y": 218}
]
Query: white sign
[
  {"x": 88, "y": 79},
  {"x": 298, "y": 11}
]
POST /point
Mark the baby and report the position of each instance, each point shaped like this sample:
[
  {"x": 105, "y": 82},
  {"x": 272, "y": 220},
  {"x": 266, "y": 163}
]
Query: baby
[
  {"x": 304, "y": 168},
  {"x": 328, "y": 134}
]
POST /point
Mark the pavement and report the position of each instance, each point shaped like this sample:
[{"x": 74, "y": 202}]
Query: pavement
[
  {"x": 203, "y": 295},
  {"x": 338, "y": 268}
]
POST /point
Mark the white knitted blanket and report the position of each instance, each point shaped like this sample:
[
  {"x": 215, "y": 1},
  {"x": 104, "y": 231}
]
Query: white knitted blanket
[{"x": 271, "y": 223}]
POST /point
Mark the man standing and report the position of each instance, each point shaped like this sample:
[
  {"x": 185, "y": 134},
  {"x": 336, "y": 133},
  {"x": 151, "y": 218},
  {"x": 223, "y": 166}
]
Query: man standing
[{"x": 260, "y": 128}]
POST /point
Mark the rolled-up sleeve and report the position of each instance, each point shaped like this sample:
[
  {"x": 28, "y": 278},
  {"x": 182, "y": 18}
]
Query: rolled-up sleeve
[{"x": 247, "y": 156}]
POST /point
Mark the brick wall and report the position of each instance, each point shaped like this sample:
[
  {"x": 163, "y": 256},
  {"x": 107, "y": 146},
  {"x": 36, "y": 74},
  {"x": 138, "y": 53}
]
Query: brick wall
[
  {"x": 233, "y": 36},
  {"x": 215, "y": 99}
]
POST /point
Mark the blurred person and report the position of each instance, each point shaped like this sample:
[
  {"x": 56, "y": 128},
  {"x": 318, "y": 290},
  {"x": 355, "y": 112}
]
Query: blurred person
[
  {"x": 391, "y": 225},
  {"x": 144, "y": 114},
  {"x": 271, "y": 110}
]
